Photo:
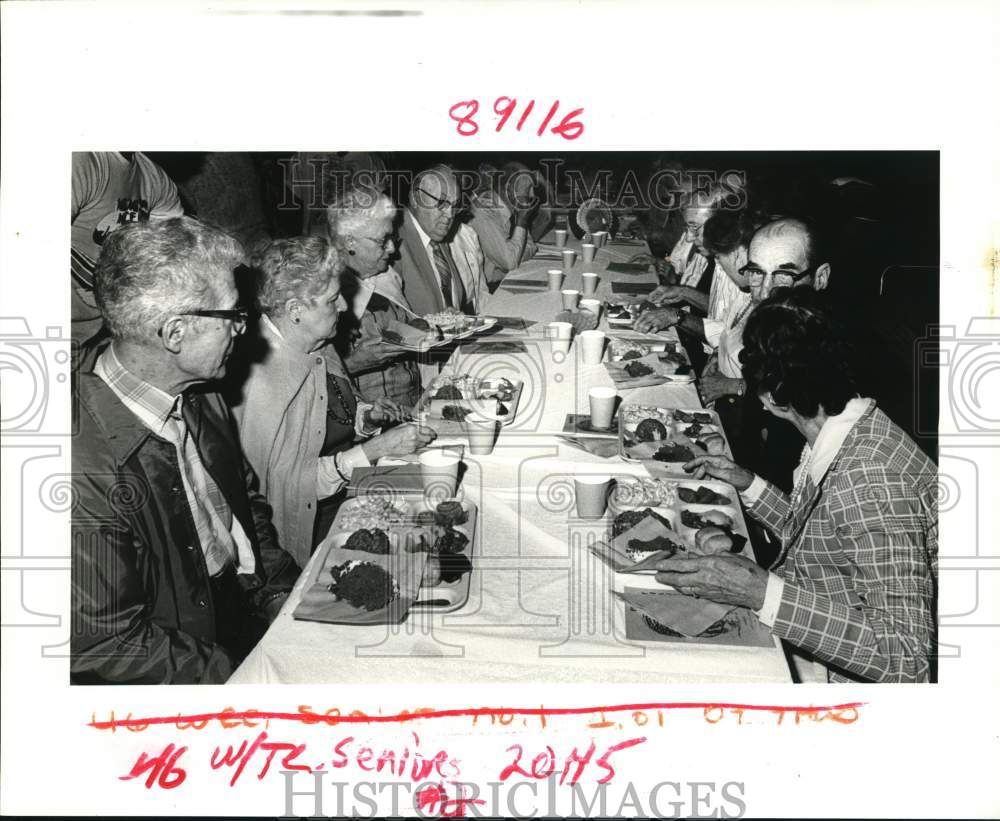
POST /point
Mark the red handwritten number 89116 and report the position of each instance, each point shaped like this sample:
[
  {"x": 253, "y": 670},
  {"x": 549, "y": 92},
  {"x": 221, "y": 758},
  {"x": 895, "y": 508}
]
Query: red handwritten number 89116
[{"x": 464, "y": 112}]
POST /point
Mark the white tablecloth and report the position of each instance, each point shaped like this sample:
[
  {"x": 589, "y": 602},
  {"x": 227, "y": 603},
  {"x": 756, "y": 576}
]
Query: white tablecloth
[{"x": 540, "y": 608}]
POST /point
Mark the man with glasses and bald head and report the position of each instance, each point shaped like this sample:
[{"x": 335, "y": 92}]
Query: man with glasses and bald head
[
  {"x": 176, "y": 567},
  {"x": 440, "y": 258},
  {"x": 785, "y": 253}
]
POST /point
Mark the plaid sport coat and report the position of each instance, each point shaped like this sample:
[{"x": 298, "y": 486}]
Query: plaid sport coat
[{"x": 859, "y": 558}]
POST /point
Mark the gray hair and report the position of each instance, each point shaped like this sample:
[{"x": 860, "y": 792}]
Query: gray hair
[
  {"x": 297, "y": 268},
  {"x": 150, "y": 271},
  {"x": 356, "y": 208}
]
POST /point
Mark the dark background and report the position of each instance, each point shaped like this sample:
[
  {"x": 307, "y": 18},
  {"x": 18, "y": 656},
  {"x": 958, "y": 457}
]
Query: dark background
[{"x": 883, "y": 231}]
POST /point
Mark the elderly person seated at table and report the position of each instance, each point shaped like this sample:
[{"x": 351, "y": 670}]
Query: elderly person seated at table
[
  {"x": 176, "y": 567},
  {"x": 855, "y": 581},
  {"x": 502, "y": 215},
  {"x": 440, "y": 259},
  {"x": 302, "y": 426},
  {"x": 361, "y": 229},
  {"x": 726, "y": 237}
]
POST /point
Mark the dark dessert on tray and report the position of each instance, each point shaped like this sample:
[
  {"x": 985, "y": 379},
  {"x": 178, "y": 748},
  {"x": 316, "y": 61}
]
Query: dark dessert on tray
[
  {"x": 448, "y": 392},
  {"x": 672, "y": 452},
  {"x": 637, "y": 369},
  {"x": 651, "y": 430},
  {"x": 702, "y": 496},
  {"x": 451, "y": 541},
  {"x": 630, "y": 518},
  {"x": 639, "y": 550},
  {"x": 370, "y": 541},
  {"x": 450, "y": 513},
  {"x": 633, "y": 354},
  {"x": 363, "y": 584},
  {"x": 455, "y": 413},
  {"x": 694, "y": 416}
]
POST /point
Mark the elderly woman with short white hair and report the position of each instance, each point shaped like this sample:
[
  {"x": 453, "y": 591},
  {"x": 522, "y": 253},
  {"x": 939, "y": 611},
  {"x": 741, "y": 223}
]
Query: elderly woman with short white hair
[
  {"x": 302, "y": 426},
  {"x": 360, "y": 225}
]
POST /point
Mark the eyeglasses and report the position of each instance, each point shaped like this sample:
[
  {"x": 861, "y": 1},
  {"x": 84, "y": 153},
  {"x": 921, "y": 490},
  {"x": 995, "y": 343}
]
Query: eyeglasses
[
  {"x": 238, "y": 316},
  {"x": 383, "y": 243},
  {"x": 441, "y": 204},
  {"x": 780, "y": 278}
]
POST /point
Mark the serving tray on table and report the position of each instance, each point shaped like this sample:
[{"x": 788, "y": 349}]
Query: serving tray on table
[
  {"x": 651, "y": 520},
  {"x": 485, "y": 398},
  {"x": 691, "y": 432},
  {"x": 409, "y": 522},
  {"x": 662, "y": 363}
]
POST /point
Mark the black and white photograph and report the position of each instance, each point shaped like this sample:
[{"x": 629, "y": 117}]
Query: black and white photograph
[
  {"x": 499, "y": 409},
  {"x": 642, "y": 407}
]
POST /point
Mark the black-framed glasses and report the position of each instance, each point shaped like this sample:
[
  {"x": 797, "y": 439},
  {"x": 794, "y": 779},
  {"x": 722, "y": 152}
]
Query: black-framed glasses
[
  {"x": 440, "y": 203},
  {"x": 237, "y": 316},
  {"x": 781, "y": 278}
]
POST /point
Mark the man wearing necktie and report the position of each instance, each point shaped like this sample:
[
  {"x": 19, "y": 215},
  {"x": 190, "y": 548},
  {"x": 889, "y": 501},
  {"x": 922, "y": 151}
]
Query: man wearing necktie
[
  {"x": 440, "y": 259},
  {"x": 176, "y": 567}
]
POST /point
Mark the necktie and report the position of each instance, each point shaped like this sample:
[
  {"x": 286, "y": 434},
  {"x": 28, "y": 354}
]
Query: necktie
[
  {"x": 447, "y": 274},
  {"x": 212, "y": 515}
]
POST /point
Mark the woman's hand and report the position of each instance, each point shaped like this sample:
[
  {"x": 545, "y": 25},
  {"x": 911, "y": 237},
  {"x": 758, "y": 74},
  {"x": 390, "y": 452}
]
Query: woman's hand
[
  {"x": 720, "y": 467},
  {"x": 657, "y": 320},
  {"x": 400, "y": 441},
  {"x": 714, "y": 385},
  {"x": 722, "y": 578},
  {"x": 385, "y": 410}
]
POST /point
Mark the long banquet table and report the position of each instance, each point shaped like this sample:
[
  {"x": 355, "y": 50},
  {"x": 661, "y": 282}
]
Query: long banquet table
[{"x": 540, "y": 608}]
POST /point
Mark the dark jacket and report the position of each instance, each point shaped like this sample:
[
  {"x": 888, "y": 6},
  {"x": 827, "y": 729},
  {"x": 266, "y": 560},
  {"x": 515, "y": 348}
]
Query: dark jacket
[{"x": 143, "y": 608}]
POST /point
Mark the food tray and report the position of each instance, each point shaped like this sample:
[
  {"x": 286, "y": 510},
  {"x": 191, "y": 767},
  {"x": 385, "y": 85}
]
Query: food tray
[
  {"x": 676, "y": 422},
  {"x": 410, "y": 338},
  {"x": 431, "y": 410},
  {"x": 396, "y": 514},
  {"x": 459, "y": 326},
  {"x": 667, "y": 503},
  {"x": 619, "y": 346}
]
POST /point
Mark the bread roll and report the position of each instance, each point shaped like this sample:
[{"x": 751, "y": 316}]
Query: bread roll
[
  {"x": 707, "y": 533},
  {"x": 719, "y": 543}
]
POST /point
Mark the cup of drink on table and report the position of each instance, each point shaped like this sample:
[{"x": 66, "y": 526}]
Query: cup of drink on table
[
  {"x": 439, "y": 472},
  {"x": 592, "y": 495},
  {"x": 592, "y": 347},
  {"x": 560, "y": 335},
  {"x": 602, "y": 406}
]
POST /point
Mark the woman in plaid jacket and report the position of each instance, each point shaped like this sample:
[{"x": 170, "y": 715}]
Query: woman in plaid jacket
[{"x": 855, "y": 583}]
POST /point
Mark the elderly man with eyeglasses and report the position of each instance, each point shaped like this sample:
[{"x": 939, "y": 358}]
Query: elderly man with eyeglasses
[
  {"x": 176, "y": 567},
  {"x": 440, "y": 260}
]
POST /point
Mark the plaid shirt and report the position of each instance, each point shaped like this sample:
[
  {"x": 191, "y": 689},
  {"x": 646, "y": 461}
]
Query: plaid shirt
[
  {"x": 220, "y": 534},
  {"x": 859, "y": 558}
]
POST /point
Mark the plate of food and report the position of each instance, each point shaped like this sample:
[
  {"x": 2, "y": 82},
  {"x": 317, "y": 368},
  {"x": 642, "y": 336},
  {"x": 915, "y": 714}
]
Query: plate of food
[
  {"x": 637, "y": 539},
  {"x": 655, "y": 368},
  {"x": 421, "y": 556},
  {"x": 450, "y": 398},
  {"x": 411, "y": 337},
  {"x": 653, "y": 434},
  {"x": 454, "y": 325},
  {"x": 624, "y": 349}
]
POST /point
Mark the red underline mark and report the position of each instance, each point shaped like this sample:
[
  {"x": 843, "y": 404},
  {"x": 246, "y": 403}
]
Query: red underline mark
[{"x": 467, "y": 712}]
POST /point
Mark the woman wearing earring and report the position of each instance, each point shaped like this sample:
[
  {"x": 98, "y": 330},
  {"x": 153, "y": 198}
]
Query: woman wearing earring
[
  {"x": 854, "y": 586},
  {"x": 302, "y": 426},
  {"x": 360, "y": 225}
]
